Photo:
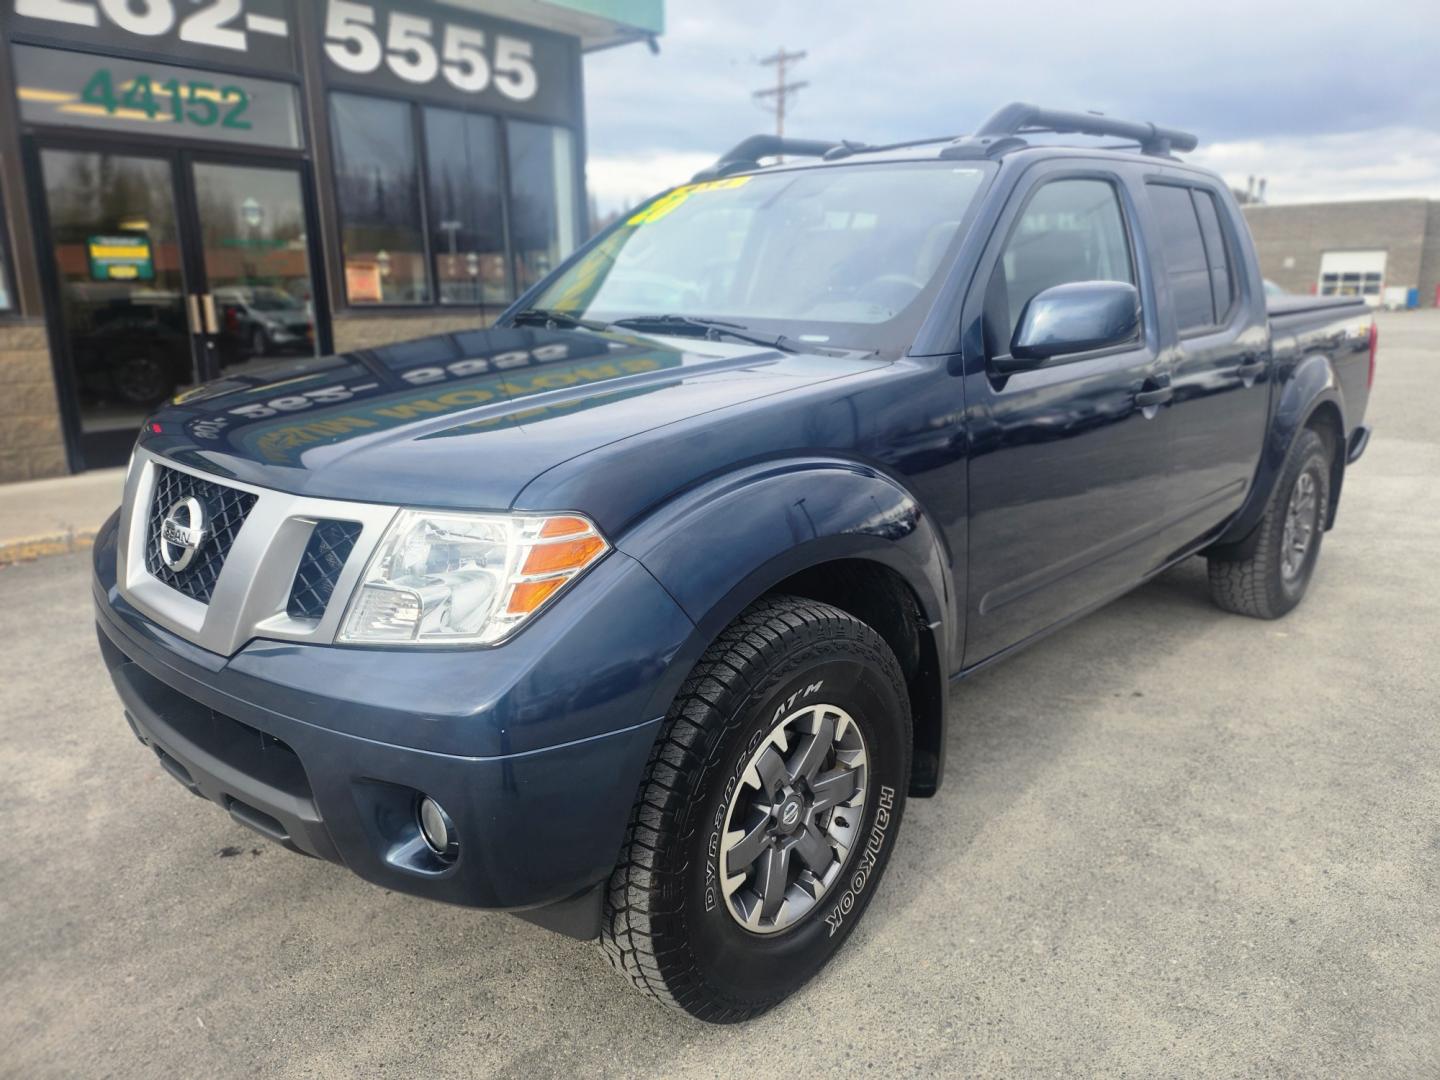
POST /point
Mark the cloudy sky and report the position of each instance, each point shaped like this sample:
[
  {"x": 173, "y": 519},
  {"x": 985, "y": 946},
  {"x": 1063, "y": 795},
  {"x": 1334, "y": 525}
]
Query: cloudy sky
[{"x": 1325, "y": 100}]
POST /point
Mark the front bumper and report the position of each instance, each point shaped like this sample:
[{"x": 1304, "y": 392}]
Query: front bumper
[{"x": 321, "y": 755}]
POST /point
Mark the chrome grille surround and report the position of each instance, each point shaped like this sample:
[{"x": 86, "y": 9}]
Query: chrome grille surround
[{"x": 251, "y": 592}]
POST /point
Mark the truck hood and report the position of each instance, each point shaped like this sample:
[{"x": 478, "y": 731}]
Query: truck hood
[{"x": 463, "y": 420}]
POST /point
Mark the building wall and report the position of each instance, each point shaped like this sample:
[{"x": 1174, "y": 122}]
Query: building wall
[
  {"x": 1301, "y": 234},
  {"x": 1430, "y": 260},
  {"x": 32, "y": 445}
]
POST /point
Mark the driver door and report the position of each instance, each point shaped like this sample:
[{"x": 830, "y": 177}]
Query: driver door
[{"x": 1068, "y": 474}]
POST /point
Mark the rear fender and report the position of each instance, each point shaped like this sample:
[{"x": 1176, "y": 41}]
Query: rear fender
[{"x": 1310, "y": 387}]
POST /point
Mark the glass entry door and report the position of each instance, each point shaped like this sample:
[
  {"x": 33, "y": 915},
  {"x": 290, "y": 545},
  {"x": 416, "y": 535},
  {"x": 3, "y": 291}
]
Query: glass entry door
[
  {"x": 170, "y": 268},
  {"x": 255, "y": 258},
  {"x": 120, "y": 276}
]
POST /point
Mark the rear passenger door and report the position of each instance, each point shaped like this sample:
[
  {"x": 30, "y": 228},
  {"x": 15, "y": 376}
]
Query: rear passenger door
[
  {"x": 1068, "y": 473},
  {"x": 1219, "y": 344}
]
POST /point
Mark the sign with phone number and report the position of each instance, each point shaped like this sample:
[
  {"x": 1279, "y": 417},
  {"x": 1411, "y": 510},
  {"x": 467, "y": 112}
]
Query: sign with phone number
[
  {"x": 255, "y": 33},
  {"x": 456, "y": 57},
  {"x": 416, "y": 47}
]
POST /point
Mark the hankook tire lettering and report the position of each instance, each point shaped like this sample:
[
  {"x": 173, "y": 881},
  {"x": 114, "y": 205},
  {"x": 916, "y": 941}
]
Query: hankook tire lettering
[{"x": 868, "y": 858}]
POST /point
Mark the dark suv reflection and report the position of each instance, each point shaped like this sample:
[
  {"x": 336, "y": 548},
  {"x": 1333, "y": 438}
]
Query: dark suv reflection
[{"x": 132, "y": 347}]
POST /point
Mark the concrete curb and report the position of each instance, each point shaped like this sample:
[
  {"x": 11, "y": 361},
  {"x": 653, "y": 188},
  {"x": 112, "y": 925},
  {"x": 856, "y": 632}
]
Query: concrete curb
[{"x": 38, "y": 547}]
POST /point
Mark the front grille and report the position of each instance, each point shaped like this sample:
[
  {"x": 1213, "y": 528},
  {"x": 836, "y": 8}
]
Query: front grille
[
  {"x": 225, "y": 511},
  {"x": 320, "y": 566}
]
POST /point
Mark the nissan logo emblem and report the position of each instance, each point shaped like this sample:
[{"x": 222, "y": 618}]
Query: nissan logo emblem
[{"x": 182, "y": 533}]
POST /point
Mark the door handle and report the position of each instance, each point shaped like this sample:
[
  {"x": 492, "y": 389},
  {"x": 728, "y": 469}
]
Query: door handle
[
  {"x": 1159, "y": 396},
  {"x": 212, "y": 324},
  {"x": 193, "y": 304},
  {"x": 1250, "y": 369}
]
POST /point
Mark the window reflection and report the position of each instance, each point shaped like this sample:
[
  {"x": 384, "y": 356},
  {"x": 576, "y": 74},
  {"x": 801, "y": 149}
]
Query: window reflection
[
  {"x": 257, "y": 261},
  {"x": 466, "y": 216},
  {"x": 542, "y": 199},
  {"x": 117, "y": 258},
  {"x": 377, "y": 177}
]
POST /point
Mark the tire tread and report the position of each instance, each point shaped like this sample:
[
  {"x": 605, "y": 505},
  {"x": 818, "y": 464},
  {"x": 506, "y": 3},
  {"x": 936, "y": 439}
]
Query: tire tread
[
  {"x": 1251, "y": 586},
  {"x": 642, "y": 931}
]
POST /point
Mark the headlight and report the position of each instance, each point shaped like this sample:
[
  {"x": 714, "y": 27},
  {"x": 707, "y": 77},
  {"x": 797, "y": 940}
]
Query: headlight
[{"x": 466, "y": 579}]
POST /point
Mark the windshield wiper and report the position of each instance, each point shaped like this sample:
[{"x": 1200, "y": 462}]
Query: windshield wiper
[
  {"x": 550, "y": 318},
  {"x": 710, "y": 329}
]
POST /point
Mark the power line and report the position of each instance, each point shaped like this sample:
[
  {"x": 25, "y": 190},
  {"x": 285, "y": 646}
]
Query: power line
[{"x": 782, "y": 90}]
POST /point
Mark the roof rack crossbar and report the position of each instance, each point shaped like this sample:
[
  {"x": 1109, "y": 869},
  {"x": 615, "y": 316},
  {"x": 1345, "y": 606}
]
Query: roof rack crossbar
[
  {"x": 1020, "y": 117},
  {"x": 747, "y": 153}
]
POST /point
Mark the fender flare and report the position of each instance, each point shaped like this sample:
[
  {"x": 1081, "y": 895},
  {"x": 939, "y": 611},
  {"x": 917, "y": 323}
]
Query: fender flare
[
  {"x": 1311, "y": 385},
  {"x": 722, "y": 545}
]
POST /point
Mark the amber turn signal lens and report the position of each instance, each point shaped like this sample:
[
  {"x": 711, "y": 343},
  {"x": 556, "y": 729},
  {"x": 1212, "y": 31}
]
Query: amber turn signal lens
[
  {"x": 564, "y": 555},
  {"x": 529, "y": 595},
  {"x": 563, "y": 526}
]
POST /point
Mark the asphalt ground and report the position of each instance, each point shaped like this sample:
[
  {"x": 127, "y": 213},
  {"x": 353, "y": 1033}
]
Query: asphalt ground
[{"x": 1172, "y": 842}]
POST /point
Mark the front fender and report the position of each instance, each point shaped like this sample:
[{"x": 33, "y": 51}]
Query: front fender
[
  {"x": 1311, "y": 384},
  {"x": 725, "y": 543}
]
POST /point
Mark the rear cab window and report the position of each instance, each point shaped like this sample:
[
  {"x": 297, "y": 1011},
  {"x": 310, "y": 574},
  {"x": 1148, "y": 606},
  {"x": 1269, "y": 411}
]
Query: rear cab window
[{"x": 1195, "y": 255}]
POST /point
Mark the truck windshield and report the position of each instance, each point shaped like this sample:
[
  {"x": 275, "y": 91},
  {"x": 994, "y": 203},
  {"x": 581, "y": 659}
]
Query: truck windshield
[{"x": 836, "y": 256}]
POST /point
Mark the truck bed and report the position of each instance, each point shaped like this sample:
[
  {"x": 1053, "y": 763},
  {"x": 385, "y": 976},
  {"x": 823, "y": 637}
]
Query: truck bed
[{"x": 1281, "y": 307}]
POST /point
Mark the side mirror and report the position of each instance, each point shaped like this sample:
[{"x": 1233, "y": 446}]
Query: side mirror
[{"x": 1071, "y": 318}]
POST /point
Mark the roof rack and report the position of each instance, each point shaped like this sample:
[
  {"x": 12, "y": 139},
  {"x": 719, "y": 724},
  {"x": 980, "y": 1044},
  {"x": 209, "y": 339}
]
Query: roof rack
[
  {"x": 999, "y": 134},
  {"x": 746, "y": 154},
  {"x": 1003, "y": 130}
]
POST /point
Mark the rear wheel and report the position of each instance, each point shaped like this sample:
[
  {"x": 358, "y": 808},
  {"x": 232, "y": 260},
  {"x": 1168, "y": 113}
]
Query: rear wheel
[
  {"x": 1275, "y": 576},
  {"x": 767, "y": 814}
]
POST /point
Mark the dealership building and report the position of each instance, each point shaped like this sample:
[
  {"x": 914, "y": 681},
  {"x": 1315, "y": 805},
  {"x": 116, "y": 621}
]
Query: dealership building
[
  {"x": 1386, "y": 250},
  {"x": 192, "y": 185}
]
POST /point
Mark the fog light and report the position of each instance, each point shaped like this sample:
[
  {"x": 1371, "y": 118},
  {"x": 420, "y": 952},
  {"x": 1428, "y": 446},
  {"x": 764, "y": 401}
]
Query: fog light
[{"x": 437, "y": 829}]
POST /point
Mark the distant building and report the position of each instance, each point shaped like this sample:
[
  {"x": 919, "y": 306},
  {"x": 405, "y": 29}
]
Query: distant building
[{"x": 1380, "y": 249}]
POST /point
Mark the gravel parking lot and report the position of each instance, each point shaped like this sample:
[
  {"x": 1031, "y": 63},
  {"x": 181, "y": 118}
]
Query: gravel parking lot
[{"x": 1171, "y": 842}]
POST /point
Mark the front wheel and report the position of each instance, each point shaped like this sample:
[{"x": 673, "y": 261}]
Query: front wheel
[
  {"x": 767, "y": 815},
  {"x": 1275, "y": 576}
]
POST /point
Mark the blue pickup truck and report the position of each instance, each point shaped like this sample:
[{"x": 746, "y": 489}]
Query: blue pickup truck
[{"x": 638, "y": 613}]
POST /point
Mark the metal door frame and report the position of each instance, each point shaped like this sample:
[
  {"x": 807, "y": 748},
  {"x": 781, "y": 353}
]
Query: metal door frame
[{"x": 181, "y": 158}]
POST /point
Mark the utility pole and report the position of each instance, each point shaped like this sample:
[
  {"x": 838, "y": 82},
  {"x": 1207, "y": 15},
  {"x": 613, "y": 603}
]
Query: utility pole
[{"x": 782, "y": 90}]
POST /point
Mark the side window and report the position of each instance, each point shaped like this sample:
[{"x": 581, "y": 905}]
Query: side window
[
  {"x": 1193, "y": 290},
  {"x": 1217, "y": 256},
  {"x": 1071, "y": 230}
]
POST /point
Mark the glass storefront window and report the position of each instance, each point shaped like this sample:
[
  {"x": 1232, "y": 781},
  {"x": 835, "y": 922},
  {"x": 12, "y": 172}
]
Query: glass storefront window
[
  {"x": 543, "y": 226},
  {"x": 466, "y": 213},
  {"x": 385, "y": 223},
  {"x": 6, "y": 303},
  {"x": 377, "y": 178}
]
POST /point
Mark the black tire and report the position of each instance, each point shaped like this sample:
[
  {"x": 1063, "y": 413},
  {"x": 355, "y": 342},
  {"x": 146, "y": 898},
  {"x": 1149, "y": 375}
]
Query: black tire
[
  {"x": 1266, "y": 585},
  {"x": 668, "y": 925}
]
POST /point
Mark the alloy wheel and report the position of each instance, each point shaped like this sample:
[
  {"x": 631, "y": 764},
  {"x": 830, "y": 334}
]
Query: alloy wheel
[
  {"x": 793, "y": 818},
  {"x": 1301, "y": 523}
]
